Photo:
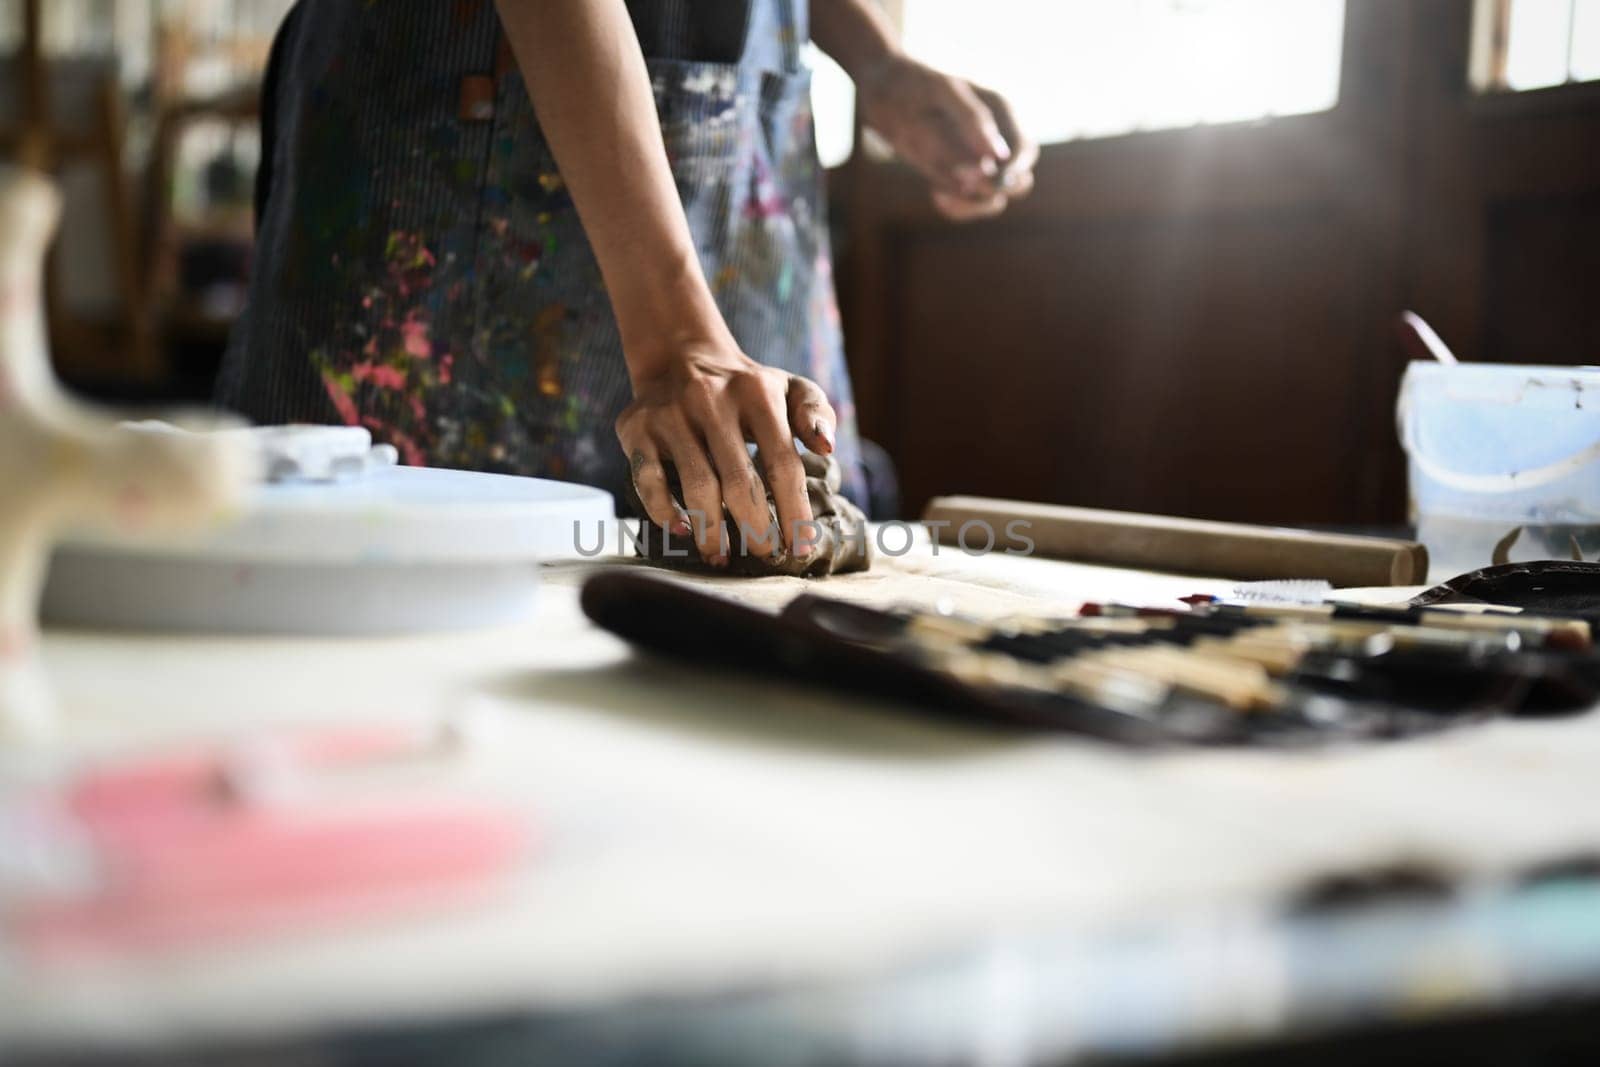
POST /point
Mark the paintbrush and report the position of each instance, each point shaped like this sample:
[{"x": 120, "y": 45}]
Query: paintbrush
[
  {"x": 1095, "y": 669},
  {"x": 1536, "y": 631},
  {"x": 1375, "y": 659},
  {"x": 1238, "y": 661}
]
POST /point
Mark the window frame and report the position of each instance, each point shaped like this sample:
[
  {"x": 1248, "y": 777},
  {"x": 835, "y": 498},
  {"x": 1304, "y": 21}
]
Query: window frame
[{"x": 1485, "y": 81}]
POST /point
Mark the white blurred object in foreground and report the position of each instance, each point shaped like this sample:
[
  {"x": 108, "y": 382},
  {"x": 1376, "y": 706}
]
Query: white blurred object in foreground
[
  {"x": 61, "y": 462},
  {"x": 301, "y": 452}
]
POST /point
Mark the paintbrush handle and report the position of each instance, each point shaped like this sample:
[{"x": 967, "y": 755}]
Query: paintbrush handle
[{"x": 1182, "y": 546}]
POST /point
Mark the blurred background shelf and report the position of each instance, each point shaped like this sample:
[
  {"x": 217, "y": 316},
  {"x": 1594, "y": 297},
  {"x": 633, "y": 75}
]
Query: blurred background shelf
[{"x": 146, "y": 111}]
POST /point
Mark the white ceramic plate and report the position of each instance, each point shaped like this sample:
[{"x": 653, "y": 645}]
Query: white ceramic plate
[{"x": 406, "y": 549}]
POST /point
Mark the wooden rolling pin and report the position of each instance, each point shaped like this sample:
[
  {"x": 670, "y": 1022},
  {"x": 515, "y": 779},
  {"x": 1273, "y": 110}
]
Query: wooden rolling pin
[{"x": 1182, "y": 546}]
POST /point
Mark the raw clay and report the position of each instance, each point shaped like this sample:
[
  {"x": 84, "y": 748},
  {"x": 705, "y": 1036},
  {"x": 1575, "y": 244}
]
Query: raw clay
[{"x": 842, "y": 543}]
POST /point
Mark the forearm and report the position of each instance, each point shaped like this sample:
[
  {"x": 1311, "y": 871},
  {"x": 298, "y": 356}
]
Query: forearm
[
  {"x": 856, "y": 33},
  {"x": 586, "y": 76}
]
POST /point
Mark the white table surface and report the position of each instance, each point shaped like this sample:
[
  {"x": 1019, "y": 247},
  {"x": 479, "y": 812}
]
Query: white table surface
[{"x": 701, "y": 832}]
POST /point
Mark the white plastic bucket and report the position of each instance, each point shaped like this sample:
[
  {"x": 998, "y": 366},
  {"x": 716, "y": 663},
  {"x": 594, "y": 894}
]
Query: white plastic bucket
[{"x": 1493, "y": 447}]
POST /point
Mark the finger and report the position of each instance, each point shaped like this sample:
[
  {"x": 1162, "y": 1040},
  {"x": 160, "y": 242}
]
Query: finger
[
  {"x": 650, "y": 482},
  {"x": 1024, "y": 149},
  {"x": 811, "y": 417},
  {"x": 1016, "y": 184},
  {"x": 783, "y": 470},
  {"x": 970, "y": 119},
  {"x": 702, "y": 491},
  {"x": 743, "y": 491},
  {"x": 962, "y": 209},
  {"x": 927, "y": 149}
]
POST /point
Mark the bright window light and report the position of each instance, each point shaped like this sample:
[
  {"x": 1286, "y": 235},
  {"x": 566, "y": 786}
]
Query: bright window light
[
  {"x": 1094, "y": 68},
  {"x": 1536, "y": 44},
  {"x": 833, "y": 100},
  {"x": 1586, "y": 41}
]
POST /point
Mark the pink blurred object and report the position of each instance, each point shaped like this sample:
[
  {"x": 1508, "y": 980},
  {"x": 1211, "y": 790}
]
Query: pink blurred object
[
  {"x": 185, "y": 858},
  {"x": 155, "y": 786}
]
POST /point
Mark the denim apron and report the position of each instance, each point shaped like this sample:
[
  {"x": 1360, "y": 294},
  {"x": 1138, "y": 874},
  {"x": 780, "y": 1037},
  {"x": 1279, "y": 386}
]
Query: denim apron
[{"x": 420, "y": 268}]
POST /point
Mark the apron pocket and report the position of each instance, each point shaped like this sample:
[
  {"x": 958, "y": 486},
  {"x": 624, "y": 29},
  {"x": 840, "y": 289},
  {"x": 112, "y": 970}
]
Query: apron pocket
[{"x": 706, "y": 118}]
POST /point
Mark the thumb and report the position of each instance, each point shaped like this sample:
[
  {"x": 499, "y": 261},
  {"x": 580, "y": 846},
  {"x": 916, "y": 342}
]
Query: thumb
[{"x": 811, "y": 417}]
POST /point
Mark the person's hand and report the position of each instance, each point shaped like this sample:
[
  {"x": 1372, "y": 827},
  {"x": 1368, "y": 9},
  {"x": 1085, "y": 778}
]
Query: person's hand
[
  {"x": 962, "y": 138},
  {"x": 696, "y": 411}
]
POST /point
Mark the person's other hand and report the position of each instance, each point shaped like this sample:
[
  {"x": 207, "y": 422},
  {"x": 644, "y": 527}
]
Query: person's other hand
[
  {"x": 696, "y": 412},
  {"x": 964, "y": 139}
]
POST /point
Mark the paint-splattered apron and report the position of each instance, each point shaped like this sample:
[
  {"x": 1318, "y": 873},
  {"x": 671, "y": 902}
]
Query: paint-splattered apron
[{"x": 421, "y": 269}]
